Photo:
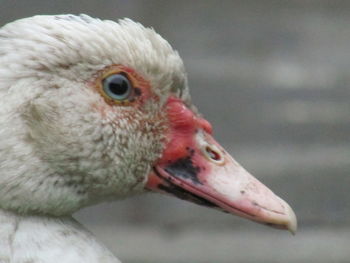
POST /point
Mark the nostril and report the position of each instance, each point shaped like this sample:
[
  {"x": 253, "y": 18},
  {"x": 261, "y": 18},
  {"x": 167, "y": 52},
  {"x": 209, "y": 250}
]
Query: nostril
[
  {"x": 209, "y": 148},
  {"x": 213, "y": 154}
]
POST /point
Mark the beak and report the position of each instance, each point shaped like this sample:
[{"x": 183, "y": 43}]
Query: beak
[{"x": 195, "y": 167}]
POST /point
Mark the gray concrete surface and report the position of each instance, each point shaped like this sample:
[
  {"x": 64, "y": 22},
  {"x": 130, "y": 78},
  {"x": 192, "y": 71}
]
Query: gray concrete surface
[{"x": 273, "y": 77}]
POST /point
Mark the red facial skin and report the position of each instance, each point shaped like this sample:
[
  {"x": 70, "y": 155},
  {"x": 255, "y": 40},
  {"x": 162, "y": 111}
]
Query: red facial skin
[{"x": 184, "y": 124}]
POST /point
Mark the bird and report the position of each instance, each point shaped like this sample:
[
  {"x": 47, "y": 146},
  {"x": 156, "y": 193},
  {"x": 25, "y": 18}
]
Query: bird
[{"x": 95, "y": 110}]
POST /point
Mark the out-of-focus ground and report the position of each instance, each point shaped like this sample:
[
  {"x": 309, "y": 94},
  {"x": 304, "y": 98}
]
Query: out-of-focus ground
[{"x": 273, "y": 77}]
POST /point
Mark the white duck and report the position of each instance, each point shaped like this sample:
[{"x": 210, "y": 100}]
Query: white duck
[{"x": 96, "y": 110}]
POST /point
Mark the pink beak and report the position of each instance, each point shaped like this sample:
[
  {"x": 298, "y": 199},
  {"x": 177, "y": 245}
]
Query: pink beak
[{"x": 195, "y": 167}]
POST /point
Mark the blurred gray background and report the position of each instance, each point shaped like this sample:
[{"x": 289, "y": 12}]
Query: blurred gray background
[{"x": 273, "y": 78}]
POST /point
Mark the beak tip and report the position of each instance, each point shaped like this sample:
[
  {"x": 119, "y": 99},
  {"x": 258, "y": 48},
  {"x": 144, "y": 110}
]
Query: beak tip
[{"x": 292, "y": 224}]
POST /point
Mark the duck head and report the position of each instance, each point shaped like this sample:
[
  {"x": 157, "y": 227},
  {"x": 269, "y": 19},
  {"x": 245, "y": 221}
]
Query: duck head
[{"x": 96, "y": 110}]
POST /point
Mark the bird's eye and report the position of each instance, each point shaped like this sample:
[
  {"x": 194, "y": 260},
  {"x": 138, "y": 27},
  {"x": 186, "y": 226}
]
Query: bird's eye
[{"x": 117, "y": 87}]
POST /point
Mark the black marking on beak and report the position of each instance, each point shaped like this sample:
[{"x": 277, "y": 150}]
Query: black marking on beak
[
  {"x": 183, "y": 194},
  {"x": 184, "y": 168}
]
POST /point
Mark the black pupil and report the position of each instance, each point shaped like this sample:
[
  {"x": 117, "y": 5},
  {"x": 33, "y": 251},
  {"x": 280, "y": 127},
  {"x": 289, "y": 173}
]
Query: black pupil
[{"x": 118, "y": 85}]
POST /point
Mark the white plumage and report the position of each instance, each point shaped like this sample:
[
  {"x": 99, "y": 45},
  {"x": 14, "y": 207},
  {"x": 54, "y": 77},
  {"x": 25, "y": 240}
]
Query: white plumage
[
  {"x": 64, "y": 144},
  {"x": 41, "y": 239},
  {"x": 49, "y": 161},
  {"x": 47, "y": 64}
]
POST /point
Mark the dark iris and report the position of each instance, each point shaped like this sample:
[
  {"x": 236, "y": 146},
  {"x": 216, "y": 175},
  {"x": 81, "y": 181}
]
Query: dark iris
[{"x": 117, "y": 86}]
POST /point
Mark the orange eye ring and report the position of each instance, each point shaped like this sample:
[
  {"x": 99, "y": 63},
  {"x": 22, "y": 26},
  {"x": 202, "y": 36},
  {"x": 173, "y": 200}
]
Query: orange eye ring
[
  {"x": 115, "y": 85},
  {"x": 122, "y": 86}
]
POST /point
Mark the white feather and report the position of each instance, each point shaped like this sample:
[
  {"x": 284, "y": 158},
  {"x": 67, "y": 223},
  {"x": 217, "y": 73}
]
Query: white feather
[{"x": 57, "y": 152}]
